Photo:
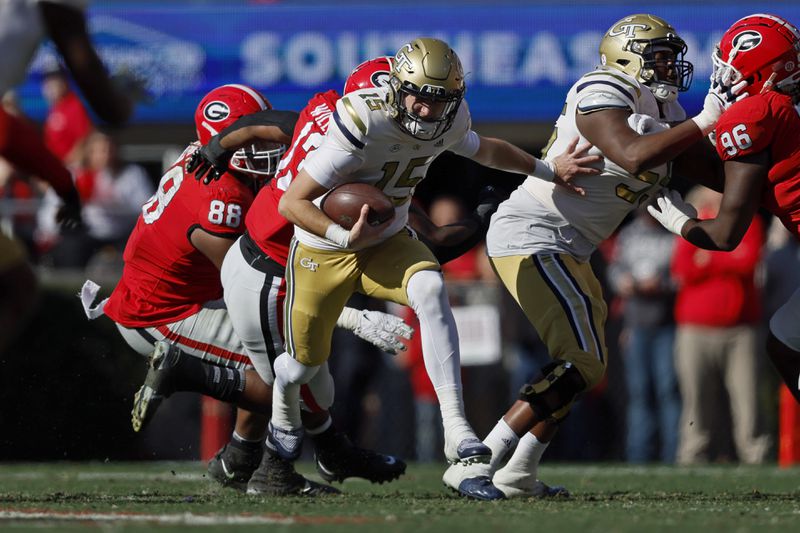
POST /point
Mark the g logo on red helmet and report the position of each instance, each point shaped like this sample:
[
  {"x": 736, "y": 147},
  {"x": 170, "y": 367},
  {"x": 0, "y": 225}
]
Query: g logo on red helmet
[
  {"x": 746, "y": 40},
  {"x": 380, "y": 78},
  {"x": 216, "y": 111}
]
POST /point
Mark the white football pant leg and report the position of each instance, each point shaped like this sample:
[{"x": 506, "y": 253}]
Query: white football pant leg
[{"x": 254, "y": 306}]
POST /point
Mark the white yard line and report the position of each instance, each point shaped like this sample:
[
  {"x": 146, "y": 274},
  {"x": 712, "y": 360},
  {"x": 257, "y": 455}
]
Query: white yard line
[
  {"x": 174, "y": 518},
  {"x": 182, "y": 518}
]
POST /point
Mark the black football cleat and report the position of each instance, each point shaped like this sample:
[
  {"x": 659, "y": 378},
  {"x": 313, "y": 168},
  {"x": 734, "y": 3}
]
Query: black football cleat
[
  {"x": 337, "y": 459},
  {"x": 277, "y": 477},
  {"x": 232, "y": 467}
]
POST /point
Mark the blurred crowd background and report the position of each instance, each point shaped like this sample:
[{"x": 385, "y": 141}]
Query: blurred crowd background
[{"x": 687, "y": 380}]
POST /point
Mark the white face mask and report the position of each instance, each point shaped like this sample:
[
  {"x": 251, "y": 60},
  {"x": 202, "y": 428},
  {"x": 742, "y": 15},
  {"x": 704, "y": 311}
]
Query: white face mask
[
  {"x": 420, "y": 128},
  {"x": 664, "y": 93}
]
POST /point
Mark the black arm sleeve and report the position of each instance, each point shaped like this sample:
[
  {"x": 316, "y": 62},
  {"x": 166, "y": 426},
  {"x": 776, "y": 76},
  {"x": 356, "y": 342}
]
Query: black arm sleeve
[
  {"x": 445, "y": 254},
  {"x": 285, "y": 120}
]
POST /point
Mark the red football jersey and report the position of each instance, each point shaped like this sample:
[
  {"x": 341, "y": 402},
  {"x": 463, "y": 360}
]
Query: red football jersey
[
  {"x": 165, "y": 278},
  {"x": 767, "y": 121},
  {"x": 265, "y": 225}
]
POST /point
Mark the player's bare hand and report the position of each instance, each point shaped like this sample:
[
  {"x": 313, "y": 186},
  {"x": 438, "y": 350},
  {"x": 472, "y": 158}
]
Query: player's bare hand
[
  {"x": 363, "y": 234},
  {"x": 574, "y": 162}
]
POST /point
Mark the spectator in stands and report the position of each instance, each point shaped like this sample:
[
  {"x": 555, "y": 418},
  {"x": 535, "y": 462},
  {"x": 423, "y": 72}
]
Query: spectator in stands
[
  {"x": 112, "y": 193},
  {"x": 639, "y": 275},
  {"x": 718, "y": 309},
  {"x": 67, "y": 125}
]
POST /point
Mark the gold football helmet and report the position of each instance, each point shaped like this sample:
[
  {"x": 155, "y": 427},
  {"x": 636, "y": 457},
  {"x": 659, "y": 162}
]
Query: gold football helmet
[
  {"x": 648, "y": 48},
  {"x": 429, "y": 69}
]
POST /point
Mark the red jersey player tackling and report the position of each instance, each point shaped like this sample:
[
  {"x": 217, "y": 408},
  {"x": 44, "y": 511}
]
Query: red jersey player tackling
[
  {"x": 170, "y": 289},
  {"x": 757, "y": 140}
]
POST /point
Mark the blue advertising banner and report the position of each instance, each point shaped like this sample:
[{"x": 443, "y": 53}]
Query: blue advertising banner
[{"x": 521, "y": 60}]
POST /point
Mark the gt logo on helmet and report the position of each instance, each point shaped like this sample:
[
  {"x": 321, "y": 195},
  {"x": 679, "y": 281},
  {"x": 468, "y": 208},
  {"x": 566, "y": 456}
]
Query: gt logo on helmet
[
  {"x": 628, "y": 30},
  {"x": 216, "y": 111},
  {"x": 747, "y": 40}
]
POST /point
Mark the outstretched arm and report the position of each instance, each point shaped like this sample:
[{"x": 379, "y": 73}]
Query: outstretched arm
[
  {"x": 744, "y": 182},
  {"x": 453, "y": 240},
  {"x": 66, "y": 26},
  {"x": 745, "y": 179},
  {"x": 502, "y": 155}
]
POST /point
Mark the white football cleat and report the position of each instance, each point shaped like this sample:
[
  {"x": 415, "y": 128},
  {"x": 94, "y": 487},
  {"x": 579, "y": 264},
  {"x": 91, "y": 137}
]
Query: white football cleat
[
  {"x": 469, "y": 451},
  {"x": 523, "y": 485},
  {"x": 473, "y": 481}
]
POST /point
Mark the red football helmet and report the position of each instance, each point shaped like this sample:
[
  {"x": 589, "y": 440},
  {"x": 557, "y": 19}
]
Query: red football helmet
[
  {"x": 369, "y": 74},
  {"x": 225, "y": 105},
  {"x": 763, "y": 49}
]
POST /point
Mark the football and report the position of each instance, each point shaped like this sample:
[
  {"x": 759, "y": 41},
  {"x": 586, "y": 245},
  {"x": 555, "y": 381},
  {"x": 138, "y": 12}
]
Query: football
[{"x": 343, "y": 204}]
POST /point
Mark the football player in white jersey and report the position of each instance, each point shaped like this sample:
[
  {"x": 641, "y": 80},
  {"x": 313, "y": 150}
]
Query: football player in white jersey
[
  {"x": 388, "y": 137},
  {"x": 541, "y": 238}
]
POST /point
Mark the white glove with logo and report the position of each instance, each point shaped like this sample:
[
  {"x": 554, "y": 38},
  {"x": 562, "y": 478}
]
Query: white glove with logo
[
  {"x": 672, "y": 211},
  {"x": 718, "y": 99},
  {"x": 375, "y": 327}
]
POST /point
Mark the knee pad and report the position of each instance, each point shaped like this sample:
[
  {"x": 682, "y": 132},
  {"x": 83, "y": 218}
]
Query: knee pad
[
  {"x": 289, "y": 370},
  {"x": 783, "y": 325},
  {"x": 318, "y": 394},
  {"x": 424, "y": 286},
  {"x": 552, "y": 396}
]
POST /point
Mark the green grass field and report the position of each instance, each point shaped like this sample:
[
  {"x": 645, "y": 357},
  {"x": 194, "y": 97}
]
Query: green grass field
[{"x": 177, "y": 496}]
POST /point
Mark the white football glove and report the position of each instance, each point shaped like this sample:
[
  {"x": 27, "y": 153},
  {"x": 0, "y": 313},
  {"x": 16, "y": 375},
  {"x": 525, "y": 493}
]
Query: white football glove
[
  {"x": 718, "y": 99},
  {"x": 645, "y": 124},
  {"x": 381, "y": 329},
  {"x": 672, "y": 211}
]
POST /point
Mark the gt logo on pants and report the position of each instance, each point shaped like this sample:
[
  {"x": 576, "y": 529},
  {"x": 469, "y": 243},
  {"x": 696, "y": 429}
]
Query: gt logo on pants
[{"x": 307, "y": 262}]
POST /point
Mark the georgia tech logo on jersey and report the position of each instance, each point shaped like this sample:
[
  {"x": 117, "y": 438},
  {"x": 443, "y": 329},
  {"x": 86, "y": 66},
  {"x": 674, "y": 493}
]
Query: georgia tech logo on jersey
[
  {"x": 307, "y": 262},
  {"x": 216, "y": 111},
  {"x": 628, "y": 30},
  {"x": 747, "y": 40}
]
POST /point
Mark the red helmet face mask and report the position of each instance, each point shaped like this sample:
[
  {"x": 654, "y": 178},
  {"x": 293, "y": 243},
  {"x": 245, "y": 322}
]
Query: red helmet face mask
[
  {"x": 369, "y": 74},
  {"x": 762, "y": 49},
  {"x": 225, "y": 105}
]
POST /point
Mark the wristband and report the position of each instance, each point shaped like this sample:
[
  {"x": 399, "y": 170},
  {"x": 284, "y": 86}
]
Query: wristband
[
  {"x": 544, "y": 170},
  {"x": 339, "y": 235},
  {"x": 705, "y": 123}
]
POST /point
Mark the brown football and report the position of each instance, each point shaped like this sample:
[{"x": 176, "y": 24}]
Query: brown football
[{"x": 343, "y": 204}]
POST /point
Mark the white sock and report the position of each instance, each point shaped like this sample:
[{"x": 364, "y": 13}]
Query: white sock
[
  {"x": 527, "y": 456},
  {"x": 451, "y": 404},
  {"x": 501, "y": 440},
  {"x": 239, "y": 438},
  {"x": 289, "y": 376}
]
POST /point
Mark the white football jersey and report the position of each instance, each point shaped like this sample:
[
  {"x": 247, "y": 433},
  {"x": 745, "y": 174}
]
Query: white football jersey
[
  {"x": 612, "y": 194},
  {"x": 21, "y": 31},
  {"x": 365, "y": 144}
]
